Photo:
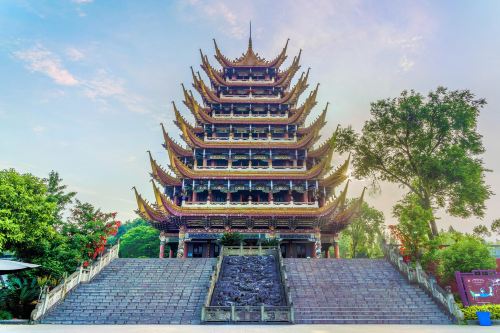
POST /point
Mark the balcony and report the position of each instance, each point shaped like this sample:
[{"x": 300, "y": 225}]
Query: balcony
[
  {"x": 250, "y": 97},
  {"x": 253, "y": 168},
  {"x": 250, "y": 204},
  {"x": 250, "y": 80},
  {"x": 250, "y": 115},
  {"x": 266, "y": 139}
]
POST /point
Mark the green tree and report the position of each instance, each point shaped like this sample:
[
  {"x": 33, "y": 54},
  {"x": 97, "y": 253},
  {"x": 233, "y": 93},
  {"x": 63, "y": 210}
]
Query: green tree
[
  {"x": 481, "y": 231},
  {"x": 56, "y": 192},
  {"x": 26, "y": 213},
  {"x": 495, "y": 227},
  {"x": 413, "y": 227},
  {"x": 365, "y": 232},
  {"x": 126, "y": 227},
  {"x": 430, "y": 146},
  {"x": 467, "y": 254},
  {"x": 139, "y": 242}
]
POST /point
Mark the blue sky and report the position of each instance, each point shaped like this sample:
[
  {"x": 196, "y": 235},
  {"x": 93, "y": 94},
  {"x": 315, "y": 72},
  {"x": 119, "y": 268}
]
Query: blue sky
[{"x": 85, "y": 83}]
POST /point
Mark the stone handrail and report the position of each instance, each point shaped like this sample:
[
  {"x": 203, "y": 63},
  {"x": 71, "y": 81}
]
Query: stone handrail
[
  {"x": 427, "y": 282},
  {"x": 214, "y": 278},
  {"x": 49, "y": 298},
  {"x": 252, "y": 204}
]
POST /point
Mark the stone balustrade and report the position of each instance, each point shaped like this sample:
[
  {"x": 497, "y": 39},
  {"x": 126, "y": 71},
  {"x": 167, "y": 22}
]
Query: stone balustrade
[
  {"x": 252, "y": 168},
  {"x": 49, "y": 298},
  {"x": 428, "y": 283},
  {"x": 251, "y": 204}
]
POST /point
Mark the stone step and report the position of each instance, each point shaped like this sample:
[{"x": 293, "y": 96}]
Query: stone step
[
  {"x": 357, "y": 291},
  {"x": 139, "y": 291}
]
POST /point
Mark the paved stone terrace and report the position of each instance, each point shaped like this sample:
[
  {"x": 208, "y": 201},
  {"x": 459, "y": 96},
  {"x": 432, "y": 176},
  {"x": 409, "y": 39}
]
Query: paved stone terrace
[
  {"x": 139, "y": 291},
  {"x": 357, "y": 291}
]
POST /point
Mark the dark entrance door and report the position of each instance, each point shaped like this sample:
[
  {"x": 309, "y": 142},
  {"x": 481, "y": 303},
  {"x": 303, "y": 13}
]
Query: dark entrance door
[
  {"x": 283, "y": 250},
  {"x": 197, "y": 250},
  {"x": 301, "y": 250}
]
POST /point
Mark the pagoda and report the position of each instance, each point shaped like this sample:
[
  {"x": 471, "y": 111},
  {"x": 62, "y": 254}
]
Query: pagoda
[{"x": 250, "y": 164}]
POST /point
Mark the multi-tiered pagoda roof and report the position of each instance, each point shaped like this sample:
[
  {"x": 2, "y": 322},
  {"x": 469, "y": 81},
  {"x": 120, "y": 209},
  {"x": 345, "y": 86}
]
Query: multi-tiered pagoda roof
[{"x": 249, "y": 161}]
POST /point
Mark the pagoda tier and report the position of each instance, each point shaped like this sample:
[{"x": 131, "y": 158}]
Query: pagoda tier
[
  {"x": 333, "y": 212},
  {"x": 250, "y": 162},
  {"x": 219, "y": 79},
  {"x": 258, "y": 96},
  {"x": 241, "y": 114}
]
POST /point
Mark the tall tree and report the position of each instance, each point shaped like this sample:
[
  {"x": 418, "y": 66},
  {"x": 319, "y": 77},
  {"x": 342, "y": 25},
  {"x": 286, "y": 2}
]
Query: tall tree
[
  {"x": 364, "y": 232},
  {"x": 56, "y": 192},
  {"x": 429, "y": 146},
  {"x": 495, "y": 226},
  {"x": 481, "y": 231}
]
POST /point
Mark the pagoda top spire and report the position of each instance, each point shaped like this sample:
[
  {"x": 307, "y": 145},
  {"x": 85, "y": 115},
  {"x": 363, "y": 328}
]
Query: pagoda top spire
[
  {"x": 250, "y": 37},
  {"x": 250, "y": 58}
]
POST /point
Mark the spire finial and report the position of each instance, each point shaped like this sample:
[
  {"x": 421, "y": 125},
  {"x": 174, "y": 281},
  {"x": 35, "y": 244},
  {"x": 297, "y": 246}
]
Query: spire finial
[{"x": 250, "y": 38}]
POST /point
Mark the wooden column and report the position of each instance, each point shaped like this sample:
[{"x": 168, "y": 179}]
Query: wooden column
[
  {"x": 336, "y": 250},
  {"x": 194, "y": 196},
  {"x": 163, "y": 240}
]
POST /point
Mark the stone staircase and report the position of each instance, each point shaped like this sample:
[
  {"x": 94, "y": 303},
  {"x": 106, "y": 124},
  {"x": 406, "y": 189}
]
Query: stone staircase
[
  {"x": 139, "y": 291},
  {"x": 357, "y": 291}
]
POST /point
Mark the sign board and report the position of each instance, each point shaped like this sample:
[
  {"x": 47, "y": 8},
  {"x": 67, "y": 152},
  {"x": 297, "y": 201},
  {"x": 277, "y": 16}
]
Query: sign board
[{"x": 479, "y": 287}]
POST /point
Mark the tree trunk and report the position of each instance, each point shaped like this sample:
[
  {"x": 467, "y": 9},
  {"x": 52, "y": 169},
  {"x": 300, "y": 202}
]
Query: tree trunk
[
  {"x": 434, "y": 228},
  {"x": 432, "y": 223}
]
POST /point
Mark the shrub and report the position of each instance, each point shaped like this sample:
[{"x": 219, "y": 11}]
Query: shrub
[
  {"x": 467, "y": 254},
  {"x": 20, "y": 296},
  {"x": 270, "y": 242},
  {"x": 5, "y": 315},
  {"x": 470, "y": 312},
  {"x": 231, "y": 239}
]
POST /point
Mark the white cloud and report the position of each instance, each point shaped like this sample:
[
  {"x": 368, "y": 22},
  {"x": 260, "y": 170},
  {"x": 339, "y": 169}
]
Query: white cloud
[
  {"x": 74, "y": 54},
  {"x": 104, "y": 85},
  {"x": 82, "y": 2},
  {"x": 39, "y": 59},
  {"x": 39, "y": 129},
  {"x": 406, "y": 64},
  {"x": 101, "y": 87},
  {"x": 227, "y": 14}
]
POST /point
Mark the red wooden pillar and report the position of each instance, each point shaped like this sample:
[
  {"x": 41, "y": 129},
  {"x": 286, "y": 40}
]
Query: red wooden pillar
[
  {"x": 305, "y": 197},
  {"x": 162, "y": 250},
  {"x": 163, "y": 240},
  {"x": 328, "y": 252},
  {"x": 270, "y": 197},
  {"x": 185, "y": 254},
  {"x": 194, "y": 196},
  {"x": 336, "y": 250},
  {"x": 171, "y": 252}
]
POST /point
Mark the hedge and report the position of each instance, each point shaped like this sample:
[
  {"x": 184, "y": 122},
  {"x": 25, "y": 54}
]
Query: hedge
[{"x": 470, "y": 311}]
